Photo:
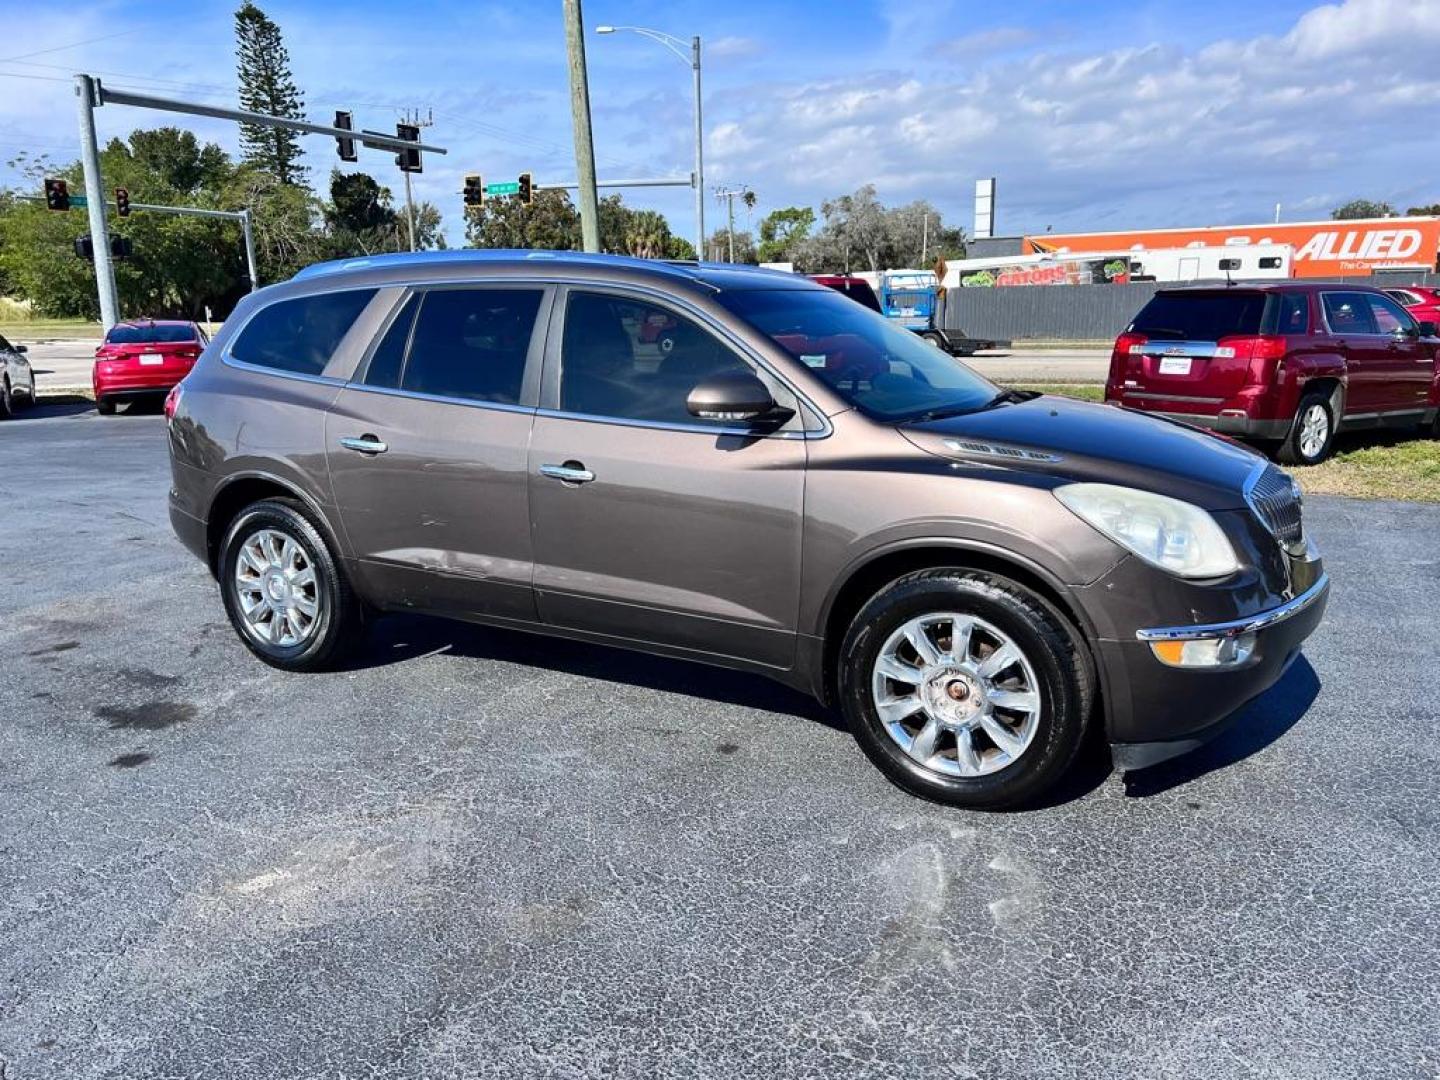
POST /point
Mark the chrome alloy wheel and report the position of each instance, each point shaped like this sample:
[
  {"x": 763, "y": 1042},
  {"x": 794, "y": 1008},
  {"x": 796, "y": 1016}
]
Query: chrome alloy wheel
[
  {"x": 276, "y": 586},
  {"x": 1314, "y": 430},
  {"x": 956, "y": 694}
]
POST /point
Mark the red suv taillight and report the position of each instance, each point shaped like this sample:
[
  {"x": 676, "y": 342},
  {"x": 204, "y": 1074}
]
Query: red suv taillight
[
  {"x": 1121, "y": 356},
  {"x": 172, "y": 401}
]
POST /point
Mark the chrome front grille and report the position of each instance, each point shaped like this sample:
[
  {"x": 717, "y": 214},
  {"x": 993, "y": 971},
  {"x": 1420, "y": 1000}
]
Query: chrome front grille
[{"x": 1275, "y": 499}]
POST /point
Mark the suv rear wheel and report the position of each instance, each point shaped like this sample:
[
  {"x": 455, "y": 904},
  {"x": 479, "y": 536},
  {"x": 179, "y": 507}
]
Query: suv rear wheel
[
  {"x": 284, "y": 590},
  {"x": 965, "y": 688},
  {"x": 1312, "y": 436}
]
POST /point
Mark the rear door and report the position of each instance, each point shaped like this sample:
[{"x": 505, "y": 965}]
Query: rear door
[
  {"x": 662, "y": 528},
  {"x": 1196, "y": 351},
  {"x": 1369, "y": 361},
  {"x": 427, "y": 451}
]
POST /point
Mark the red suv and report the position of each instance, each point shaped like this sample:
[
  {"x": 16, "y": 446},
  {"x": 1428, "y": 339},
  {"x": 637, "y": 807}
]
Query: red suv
[
  {"x": 1286, "y": 364},
  {"x": 144, "y": 359}
]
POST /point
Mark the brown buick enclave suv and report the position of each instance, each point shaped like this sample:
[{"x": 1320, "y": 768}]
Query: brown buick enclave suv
[{"x": 782, "y": 482}]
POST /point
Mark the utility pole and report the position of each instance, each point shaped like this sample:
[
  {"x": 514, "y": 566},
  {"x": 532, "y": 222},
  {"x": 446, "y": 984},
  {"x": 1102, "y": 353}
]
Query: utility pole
[
  {"x": 729, "y": 194},
  {"x": 580, "y": 122},
  {"x": 86, "y": 92},
  {"x": 924, "y": 237},
  {"x": 699, "y": 155},
  {"x": 412, "y": 117}
]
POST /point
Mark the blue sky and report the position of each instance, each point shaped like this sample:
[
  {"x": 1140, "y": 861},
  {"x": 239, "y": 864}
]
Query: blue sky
[{"x": 1092, "y": 115}]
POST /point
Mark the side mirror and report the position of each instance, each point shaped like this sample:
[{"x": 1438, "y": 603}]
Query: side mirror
[
  {"x": 21, "y": 348},
  {"x": 1427, "y": 329},
  {"x": 736, "y": 395}
]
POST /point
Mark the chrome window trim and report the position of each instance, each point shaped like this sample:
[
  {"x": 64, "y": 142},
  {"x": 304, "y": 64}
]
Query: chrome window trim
[
  {"x": 497, "y": 406},
  {"x": 1236, "y": 627},
  {"x": 694, "y": 429}
]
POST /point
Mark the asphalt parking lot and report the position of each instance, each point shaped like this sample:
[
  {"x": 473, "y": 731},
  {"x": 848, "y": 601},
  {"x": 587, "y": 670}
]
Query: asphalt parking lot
[{"x": 485, "y": 854}]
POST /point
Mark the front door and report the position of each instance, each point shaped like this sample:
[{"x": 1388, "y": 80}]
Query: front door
[
  {"x": 1408, "y": 362},
  {"x": 649, "y": 524},
  {"x": 1367, "y": 360},
  {"x": 427, "y": 452}
]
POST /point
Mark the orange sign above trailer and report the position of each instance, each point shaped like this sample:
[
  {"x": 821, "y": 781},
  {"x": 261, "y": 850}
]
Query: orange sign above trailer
[{"x": 1322, "y": 248}]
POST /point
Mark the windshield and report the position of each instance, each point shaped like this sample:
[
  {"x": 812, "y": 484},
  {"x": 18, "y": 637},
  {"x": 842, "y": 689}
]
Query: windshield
[
  {"x": 1200, "y": 316},
  {"x": 144, "y": 335},
  {"x": 883, "y": 370}
]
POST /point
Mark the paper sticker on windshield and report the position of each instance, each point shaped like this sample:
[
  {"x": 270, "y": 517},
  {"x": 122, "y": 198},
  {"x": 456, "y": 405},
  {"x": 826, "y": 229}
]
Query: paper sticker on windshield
[{"x": 813, "y": 359}]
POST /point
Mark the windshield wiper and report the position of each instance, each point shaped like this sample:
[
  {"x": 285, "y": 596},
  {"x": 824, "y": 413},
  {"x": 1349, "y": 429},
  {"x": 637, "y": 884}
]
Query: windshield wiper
[
  {"x": 1010, "y": 397},
  {"x": 941, "y": 412}
]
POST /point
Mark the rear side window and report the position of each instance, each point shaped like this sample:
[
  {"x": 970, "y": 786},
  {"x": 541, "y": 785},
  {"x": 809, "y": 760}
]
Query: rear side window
[
  {"x": 459, "y": 343},
  {"x": 1200, "y": 316},
  {"x": 1270, "y": 262},
  {"x": 1349, "y": 313},
  {"x": 299, "y": 335},
  {"x": 1289, "y": 313}
]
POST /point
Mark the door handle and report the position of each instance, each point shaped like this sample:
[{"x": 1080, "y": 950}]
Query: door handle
[
  {"x": 365, "y": 444},
  {"x": 572, "y": 472}
]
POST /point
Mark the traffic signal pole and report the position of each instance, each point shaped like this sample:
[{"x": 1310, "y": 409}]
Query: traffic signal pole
[
  {"x": 87, "y": 95},
  {"x": 580, "y": 122}
]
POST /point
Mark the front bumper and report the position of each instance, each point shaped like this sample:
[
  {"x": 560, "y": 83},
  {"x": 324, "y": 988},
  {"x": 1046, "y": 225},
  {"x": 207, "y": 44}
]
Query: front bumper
[{"x": 1159, "y": 712}]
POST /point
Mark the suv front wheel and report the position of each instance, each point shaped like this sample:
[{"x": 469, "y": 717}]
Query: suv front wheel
[
  {"x": 966, "y": 688},
  {"x": 284, "y": 590}
]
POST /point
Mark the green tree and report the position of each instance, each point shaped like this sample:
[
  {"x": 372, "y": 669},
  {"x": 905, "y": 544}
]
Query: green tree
[
  {"x": 719, "y": 246},
  {"x": 1362, "y": 208},
  {"x": 267, "y": 86},
  {"x": 677, "y": 247},
  {"x": 551, "y": 224},
  {"x": 1433, "y": 210},
  {"x": 783, "y": 231}
]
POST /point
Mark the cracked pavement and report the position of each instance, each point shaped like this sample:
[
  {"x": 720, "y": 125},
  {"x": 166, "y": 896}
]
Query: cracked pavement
[{"x": 485, "y": 854}]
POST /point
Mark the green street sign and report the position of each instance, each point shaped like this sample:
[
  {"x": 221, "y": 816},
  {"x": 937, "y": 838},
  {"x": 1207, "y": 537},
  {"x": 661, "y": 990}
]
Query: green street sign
[
  {"x": 510, "y": 188},
  {"x": 79, "y": 202}
]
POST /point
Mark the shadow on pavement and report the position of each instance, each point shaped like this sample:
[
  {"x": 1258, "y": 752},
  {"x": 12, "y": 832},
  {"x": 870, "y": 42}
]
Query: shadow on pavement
[
  {"x": 396, "y": 638},
  {"x": 51, "y": 407},
  {"x": 1253, "y": 728}
]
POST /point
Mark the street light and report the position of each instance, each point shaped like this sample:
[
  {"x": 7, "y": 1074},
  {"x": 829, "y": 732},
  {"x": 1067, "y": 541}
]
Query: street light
[{"x": 692, "y": 57}]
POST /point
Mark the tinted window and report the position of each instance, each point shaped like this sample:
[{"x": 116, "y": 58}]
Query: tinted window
[
  {"x": 145, "y": 335},
  {"x": 389, "y": 355},
  {"x": 1349, "y": 313},
  {"x": 1270, "y": 262},
  {"x": 1229, "y": 264},
  {"x": 859, "y": 291},
  {"x": 3, "y": 343},
  {"x": 882, "y": 369},
  {"x": 631, "y": 360},
  {"x": 471, "y": 343},
  {"x": 1289, "y": 314},
  {"x": 299, "y": 335},
  {"x": 1200, "y": 316},
  {"x": 1390, "y": 316}
]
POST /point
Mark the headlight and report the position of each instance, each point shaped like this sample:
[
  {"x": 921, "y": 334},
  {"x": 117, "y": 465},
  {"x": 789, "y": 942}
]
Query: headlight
[{"x": 1165, "y": 532}]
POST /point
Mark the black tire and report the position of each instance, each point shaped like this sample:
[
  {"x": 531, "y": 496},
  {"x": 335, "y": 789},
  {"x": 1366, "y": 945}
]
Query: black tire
[
  {"x": 104, "y": 406},
  {"x": 1062, "y": 668},
  {"x": 7, "y": 400},
  {"x": 935, "y": 339},
  {"x": 338, "y": 623},
  {"x": 1291, "y": 451}
]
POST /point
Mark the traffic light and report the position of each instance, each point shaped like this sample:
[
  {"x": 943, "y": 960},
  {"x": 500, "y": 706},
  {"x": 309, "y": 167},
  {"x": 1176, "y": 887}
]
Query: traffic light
[
  {"x": 526, "y": 194},
  {"x": 474, "y": 189},
  {"x": 122, "y": 201},
  {"x": 408, "y": 160},
  {"x": 345, "y": 147},
  {"x": 84, "y": 248},
  {"x": 120, "y": 247},
  {"x": 57, "y": 194}
]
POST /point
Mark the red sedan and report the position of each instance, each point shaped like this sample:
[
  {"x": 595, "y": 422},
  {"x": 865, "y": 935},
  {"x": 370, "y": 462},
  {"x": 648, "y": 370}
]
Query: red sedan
[
  {"x": 1422, "y": 301},
  {"x": 144, "y": 358}
]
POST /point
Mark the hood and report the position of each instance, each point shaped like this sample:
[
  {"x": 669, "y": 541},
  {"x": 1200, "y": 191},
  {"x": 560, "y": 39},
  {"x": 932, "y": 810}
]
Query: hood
[{"x": 1080, "y": 441}]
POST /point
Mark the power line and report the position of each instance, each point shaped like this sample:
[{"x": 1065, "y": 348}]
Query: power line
[{"x": 71, "y": 45}]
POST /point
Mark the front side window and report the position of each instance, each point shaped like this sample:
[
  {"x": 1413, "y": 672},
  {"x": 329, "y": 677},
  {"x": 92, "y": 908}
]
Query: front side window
[
  {"x": 631, "y": 360},
  {"x": 1349, "y": 313},
  {"x": 882, "y": 369},
  {"x": 300, "y": 335},
  {"x": 1390, "y": 317},
  {"x": 458, "y": 343}
]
